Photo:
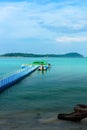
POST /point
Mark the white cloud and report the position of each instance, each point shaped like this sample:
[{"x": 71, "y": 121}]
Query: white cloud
[
  {"x": 22, "y": 21},
  {"x": 65, "y": 39},
  {"x": 29, "y": 19}
]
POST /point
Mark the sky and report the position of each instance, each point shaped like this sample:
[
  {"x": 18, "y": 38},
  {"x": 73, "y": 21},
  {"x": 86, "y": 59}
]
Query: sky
[{"x": 43, "y": 26}]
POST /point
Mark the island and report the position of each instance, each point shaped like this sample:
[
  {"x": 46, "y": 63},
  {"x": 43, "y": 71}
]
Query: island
[{"x": 68, "y": 55}]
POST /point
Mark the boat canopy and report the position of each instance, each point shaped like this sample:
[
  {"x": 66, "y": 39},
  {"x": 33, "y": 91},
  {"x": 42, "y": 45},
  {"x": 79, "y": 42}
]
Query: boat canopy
[{"x": 40, "y": 63}]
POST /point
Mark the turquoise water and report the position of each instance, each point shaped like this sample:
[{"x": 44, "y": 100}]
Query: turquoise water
[{"x": 57, "y": 90}]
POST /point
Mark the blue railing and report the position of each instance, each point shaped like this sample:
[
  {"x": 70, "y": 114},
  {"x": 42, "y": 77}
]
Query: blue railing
[{"x": 14, "y": 77}]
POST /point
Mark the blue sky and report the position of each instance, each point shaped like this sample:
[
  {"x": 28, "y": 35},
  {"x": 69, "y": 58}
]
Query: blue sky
[{"x": 43, "y": 26}]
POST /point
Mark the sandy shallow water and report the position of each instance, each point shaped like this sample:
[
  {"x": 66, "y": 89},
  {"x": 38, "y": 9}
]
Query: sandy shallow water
[{"x": 27, "y": 121}]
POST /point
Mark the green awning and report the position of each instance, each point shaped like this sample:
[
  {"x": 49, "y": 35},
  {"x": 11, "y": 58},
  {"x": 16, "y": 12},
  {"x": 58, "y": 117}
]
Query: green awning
[{"x": 39, "y": 63}]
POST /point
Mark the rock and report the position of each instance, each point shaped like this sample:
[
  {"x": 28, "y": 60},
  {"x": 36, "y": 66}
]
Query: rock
[{"x": 80, "y": 112}]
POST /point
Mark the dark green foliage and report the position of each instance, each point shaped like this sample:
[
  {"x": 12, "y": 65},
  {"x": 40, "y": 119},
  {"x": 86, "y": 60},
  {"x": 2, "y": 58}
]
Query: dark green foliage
[{"x": 73, "y": 55}]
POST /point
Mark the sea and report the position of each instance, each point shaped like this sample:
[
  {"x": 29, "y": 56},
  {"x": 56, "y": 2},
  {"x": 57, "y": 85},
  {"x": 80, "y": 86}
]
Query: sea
[{"x": 42, "y": 95}]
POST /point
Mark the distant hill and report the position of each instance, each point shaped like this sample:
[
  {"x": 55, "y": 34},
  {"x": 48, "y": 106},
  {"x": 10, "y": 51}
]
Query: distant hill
[{"x": 73, "y": 55}]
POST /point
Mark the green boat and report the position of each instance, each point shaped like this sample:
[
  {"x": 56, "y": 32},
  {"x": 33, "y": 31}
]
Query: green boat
[
  {"x": 40, "y": 63},
  {"x": 43, "y": 65}
]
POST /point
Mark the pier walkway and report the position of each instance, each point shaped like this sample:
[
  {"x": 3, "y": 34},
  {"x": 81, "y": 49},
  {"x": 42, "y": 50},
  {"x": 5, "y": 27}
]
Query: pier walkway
[{"x": 16, "y": 76}]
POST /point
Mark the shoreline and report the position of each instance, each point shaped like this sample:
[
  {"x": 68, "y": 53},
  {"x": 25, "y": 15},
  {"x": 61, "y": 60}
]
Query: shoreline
[{"x": 35, "y": 121}]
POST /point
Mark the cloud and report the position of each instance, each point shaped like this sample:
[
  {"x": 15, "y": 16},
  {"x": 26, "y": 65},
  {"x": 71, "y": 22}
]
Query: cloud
[
  {"x": 22, "y": 20},
  {"x": 39, "y": 23},
  {"x": 65, "y": 39},
  {"x": 31, "y": 19}
]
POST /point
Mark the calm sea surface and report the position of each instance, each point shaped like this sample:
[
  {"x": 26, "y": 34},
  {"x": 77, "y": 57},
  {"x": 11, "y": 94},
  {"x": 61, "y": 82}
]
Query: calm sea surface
[{"x": 58, "y": 89}]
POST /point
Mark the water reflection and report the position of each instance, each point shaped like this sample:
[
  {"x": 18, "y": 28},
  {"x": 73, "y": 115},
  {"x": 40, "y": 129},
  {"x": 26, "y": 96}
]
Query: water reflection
[{"x": 44, "y": 71}]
